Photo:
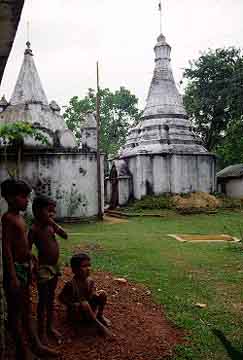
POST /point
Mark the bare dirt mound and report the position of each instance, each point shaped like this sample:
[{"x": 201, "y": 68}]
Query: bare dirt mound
[
  {"x": 196, "y": 200},
  {"x": 141, "y": 330}
]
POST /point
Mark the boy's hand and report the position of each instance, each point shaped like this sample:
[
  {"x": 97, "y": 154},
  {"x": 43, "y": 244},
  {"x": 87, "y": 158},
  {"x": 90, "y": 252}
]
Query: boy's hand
[
  {"x": 34, "y": 265},
  {"x": 15, "y": 285},
  {"x": 76, "y": 307},
  {"x": 51, "y": 221}
]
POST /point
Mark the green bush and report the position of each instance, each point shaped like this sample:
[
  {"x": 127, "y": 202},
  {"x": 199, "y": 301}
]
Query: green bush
[
  {"x": 229, "y": 203},
  {"x": 153, "y": 203}
]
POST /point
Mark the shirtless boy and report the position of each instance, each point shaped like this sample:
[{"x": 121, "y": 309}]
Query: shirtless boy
[
  {"x": 16, "y": 270},
  {"x": 83, "y": 302},
  {"x": 42, "y": 234}
]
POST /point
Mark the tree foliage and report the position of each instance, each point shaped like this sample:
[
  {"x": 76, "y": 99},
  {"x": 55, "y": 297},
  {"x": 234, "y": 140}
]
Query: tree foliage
[
  {"x": 118, "y": 111},
  {"x": 230, "y": 149},
  {"x": 214, "y": 97},
  {"x": 14, "y": 134}
]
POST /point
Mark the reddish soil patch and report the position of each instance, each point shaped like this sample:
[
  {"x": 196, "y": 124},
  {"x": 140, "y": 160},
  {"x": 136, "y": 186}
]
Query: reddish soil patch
[{"x": 141, "y": 330}]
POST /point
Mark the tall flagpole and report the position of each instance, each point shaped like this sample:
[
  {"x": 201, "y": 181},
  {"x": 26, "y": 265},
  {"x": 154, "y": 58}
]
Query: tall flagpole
[{"x": 100, "y": 213}]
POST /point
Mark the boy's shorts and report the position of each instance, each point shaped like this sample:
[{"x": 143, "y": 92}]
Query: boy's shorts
[{"x": 47, "y": 272}]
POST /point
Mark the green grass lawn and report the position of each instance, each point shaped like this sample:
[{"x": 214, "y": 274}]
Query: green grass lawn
[{"x": 178, "y": 274}]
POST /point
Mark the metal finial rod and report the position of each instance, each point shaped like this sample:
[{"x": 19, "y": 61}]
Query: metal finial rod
[
  {"x": 160, "y": 17},
  {"x": 28, "y": 31}
]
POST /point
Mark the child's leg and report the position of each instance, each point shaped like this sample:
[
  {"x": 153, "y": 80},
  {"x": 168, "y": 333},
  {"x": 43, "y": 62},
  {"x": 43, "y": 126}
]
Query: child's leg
[
  {"x": 101, "y": 298},
  {"x": 52, "y": 284},
  {"x": 15, "y": 313},
  {"x": 29, "y": 324},
  {"x": 41, "y": 310},
  {"x": 99, "y": 301}
]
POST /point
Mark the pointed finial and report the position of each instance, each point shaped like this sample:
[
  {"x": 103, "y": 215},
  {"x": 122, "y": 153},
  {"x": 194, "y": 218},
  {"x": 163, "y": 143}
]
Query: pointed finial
[
  {"x": 28, "y": 50},
  {"x": 3, "y": 101}
]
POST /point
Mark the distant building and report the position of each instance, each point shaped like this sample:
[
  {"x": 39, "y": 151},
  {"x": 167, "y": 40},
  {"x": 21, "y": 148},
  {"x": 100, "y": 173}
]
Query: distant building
[
  {"x": 60, "y": 169},
  {"x": 161, "y": 154},
  {"x": 230, "y": 181}
]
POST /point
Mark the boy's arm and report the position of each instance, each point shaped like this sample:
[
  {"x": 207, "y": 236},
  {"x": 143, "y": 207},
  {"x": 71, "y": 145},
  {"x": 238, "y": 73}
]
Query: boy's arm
[
  {"x": 65, "y": 297},
  {"x": 33, "y": 259},
  {"x": 31, "y": 238},
  {"x": 92, "y": 315},
  {"x": 85, "y": 306},
  {"x": 92, "y": 288},
  {"x": 8, "y": 256},
  {"x": 58, "y": 229}
]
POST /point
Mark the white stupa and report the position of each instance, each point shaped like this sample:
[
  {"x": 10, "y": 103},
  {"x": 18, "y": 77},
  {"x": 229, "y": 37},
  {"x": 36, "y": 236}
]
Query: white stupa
[{"x": 162, "y": 154}]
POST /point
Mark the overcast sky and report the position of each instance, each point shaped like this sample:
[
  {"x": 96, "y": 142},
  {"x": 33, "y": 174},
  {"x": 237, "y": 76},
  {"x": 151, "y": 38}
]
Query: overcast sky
[{"x": 68, "y": 36}]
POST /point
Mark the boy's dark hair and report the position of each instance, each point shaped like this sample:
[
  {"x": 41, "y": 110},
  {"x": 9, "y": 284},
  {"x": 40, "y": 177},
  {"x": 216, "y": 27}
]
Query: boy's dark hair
[
  {"x": 41, "y": 202},
  {"x": 77, "y": 259},
  {"x": 13, "y": 187}
]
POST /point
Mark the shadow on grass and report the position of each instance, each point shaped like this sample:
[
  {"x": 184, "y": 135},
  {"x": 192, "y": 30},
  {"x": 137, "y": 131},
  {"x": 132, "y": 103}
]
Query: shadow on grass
[{"x": 232, "y": 352}]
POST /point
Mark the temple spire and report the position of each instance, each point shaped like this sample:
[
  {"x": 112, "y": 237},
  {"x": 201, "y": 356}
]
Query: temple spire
[
  {"x": 28, "y": 88},
  {"x": 163, "y": 96}
]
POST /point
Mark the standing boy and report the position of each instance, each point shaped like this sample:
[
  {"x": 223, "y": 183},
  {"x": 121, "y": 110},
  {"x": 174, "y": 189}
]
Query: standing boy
[
  {"x": 42, "y": 234},
  {"x": 83, "y": 302},
  {"x": 16, "y": 270}
]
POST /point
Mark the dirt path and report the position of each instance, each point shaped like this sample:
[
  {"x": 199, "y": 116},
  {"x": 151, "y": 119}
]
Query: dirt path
[{"x": 141, "y": 330}]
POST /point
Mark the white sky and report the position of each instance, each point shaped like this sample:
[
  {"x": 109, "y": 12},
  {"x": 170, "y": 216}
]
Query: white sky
[{"x": 68, "y": 36}]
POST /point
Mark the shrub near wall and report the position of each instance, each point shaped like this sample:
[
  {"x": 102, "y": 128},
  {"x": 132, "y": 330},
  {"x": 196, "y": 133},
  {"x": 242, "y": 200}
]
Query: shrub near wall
[
  {"x": 153, "y": 203},
  {"x": 229, "y": 203},
  {"x": 187, "y": 203}
]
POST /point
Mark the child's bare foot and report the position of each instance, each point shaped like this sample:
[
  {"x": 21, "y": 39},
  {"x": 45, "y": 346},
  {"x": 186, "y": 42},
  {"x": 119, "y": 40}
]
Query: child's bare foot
[
  {"x": 108, "y": 333},
  {"x": 105, "y": 332},
  {"x": 102, "y": 329},
  {"x": 44, "y": 339},
  {"x": 24, "y": 354},
  {"x": 44, "y": 351},
  {"x": 104, "y": 321},
  {"x": 54, "y": 333}
]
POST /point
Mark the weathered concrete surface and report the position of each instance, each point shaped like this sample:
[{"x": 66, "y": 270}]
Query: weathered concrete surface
[
  {"x": 70, "y": 178},
  {"x": 234, "y": 188},
  {"x": 230, "y": 181},
  {"x": 172, "y": 173},
  {"x": 10, "y": 11},
  {"x": 89, "y": 132}
]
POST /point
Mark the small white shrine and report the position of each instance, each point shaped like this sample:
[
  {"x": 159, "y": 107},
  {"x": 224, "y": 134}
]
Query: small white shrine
[{"x": 62, "y": 169}]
